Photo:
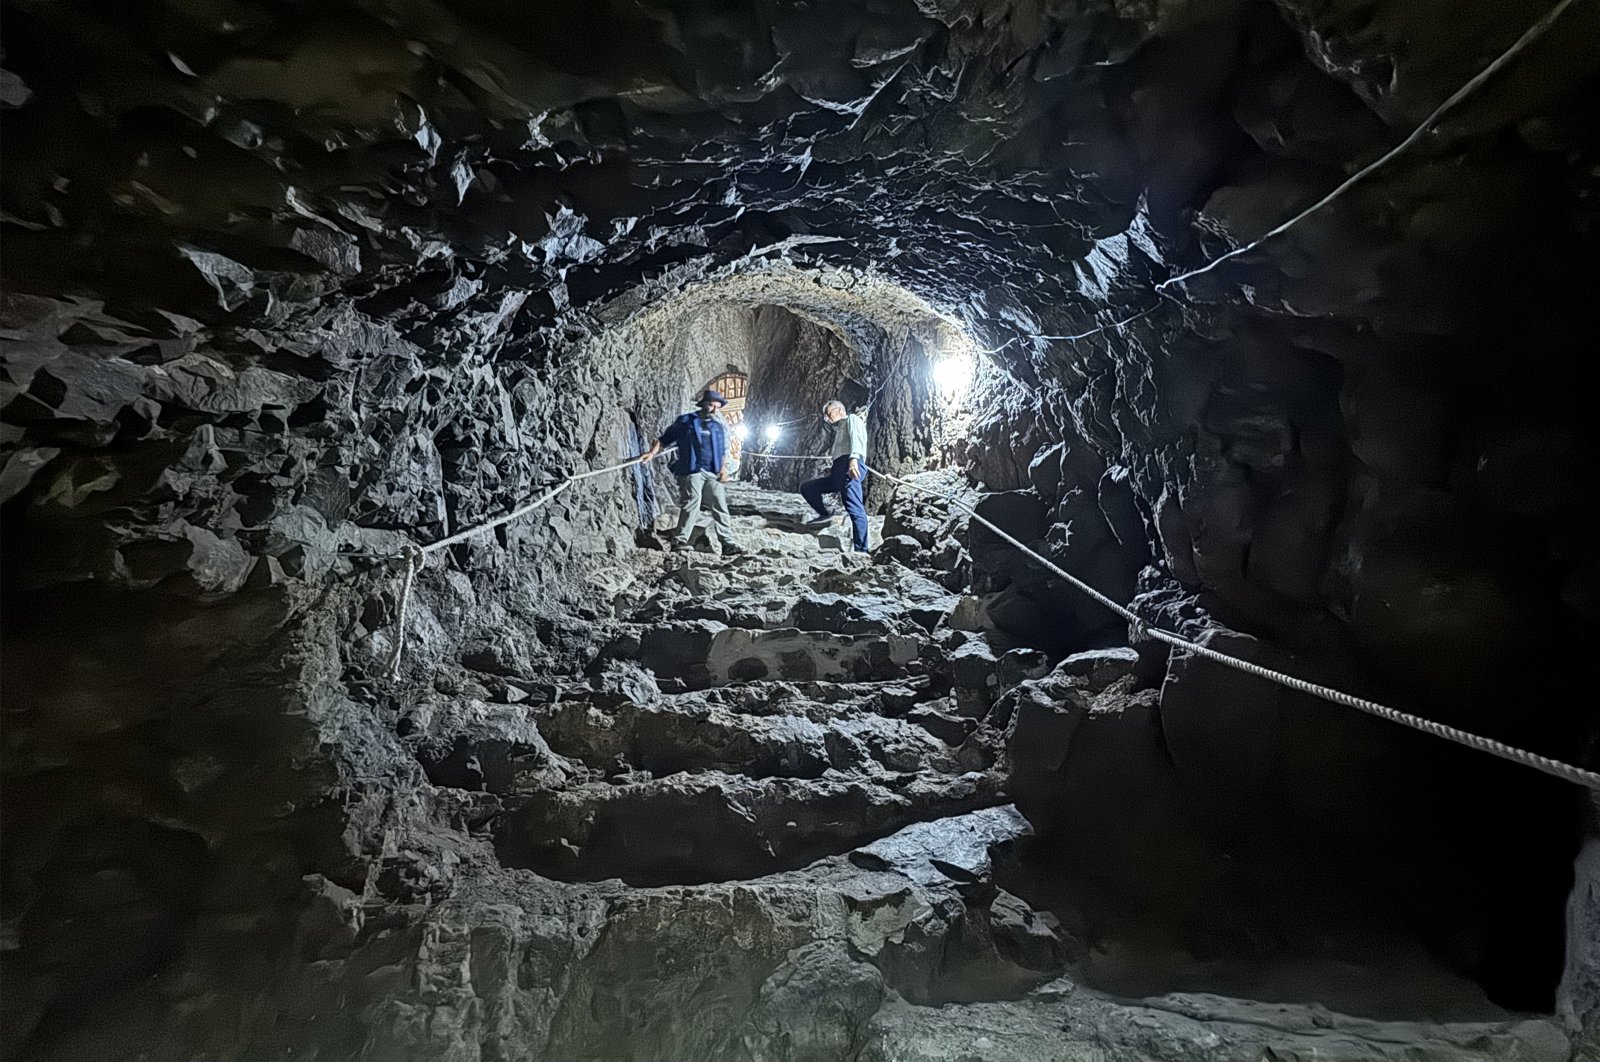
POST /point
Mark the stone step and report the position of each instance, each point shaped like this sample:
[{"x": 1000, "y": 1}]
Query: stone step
[
  {"x": 838, "y": 613},
  {"x": 1081, "y": 1026},
  {"x": 714, "y": 826},
  {"x": 706, "y": 653},
  {"x": 796, "y": 738}
]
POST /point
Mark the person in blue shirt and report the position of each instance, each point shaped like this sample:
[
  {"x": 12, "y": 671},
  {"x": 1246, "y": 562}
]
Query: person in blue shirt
[{"x": 701, "y": 465}]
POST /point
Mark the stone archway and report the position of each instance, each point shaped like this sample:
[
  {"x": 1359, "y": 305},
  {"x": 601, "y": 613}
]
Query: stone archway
[{"x": 800, "y": 335}]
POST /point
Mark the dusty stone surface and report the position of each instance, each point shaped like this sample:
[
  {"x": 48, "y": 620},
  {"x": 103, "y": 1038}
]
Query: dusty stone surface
[
  {"x": 286, "y": 288},
  {"x": 603, "y": 864}
]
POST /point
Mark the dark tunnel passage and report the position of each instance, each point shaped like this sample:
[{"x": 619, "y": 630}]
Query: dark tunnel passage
[{"x": 293, "y": 294}]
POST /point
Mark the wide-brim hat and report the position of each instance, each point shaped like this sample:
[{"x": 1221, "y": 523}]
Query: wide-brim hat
[{"x": 712, "y": 396}]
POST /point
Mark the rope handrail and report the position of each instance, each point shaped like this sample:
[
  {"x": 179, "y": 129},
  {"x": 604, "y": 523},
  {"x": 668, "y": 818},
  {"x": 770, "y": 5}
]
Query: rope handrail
[
  {"x": 1139, "y": 629},
  {"x": 414, "y": 555},
  {"x": 542, "y": 500},
  {"x": 790, "y": 457},
  {"x": 1531, "y": 34}
]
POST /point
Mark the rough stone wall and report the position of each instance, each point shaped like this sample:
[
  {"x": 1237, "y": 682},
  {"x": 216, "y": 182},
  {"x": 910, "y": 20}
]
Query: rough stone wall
[
  {"x": 783, "y": 393},
  {"x": 284, "y": 284},
  {"x": 880, "y": 372}
]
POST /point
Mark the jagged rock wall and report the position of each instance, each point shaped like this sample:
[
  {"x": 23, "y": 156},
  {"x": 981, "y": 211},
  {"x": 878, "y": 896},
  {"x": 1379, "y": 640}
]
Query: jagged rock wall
[
  {"x": 284, "y": 284},
  {"x": 1314, "y": 432},
  {"x": 782, "y": 395}
]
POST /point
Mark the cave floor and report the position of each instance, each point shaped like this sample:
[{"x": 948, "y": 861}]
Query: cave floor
[{"x": 761, "y": 827}]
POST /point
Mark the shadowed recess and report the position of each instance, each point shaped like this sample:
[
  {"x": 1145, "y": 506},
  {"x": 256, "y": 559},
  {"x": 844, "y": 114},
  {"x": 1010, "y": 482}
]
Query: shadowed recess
[{"x": 290, "y": 290}]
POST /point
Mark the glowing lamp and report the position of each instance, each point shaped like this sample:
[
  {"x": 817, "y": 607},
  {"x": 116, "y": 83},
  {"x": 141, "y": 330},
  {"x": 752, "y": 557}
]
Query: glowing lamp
[
  {"x": 742, "y": 431},
  {"x": 773, "y": 433},
  {"x": 953, "y": 374}
]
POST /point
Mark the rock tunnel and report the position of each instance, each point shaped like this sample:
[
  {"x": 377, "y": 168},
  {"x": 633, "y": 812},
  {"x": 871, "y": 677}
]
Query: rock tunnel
[{"x": 291, "y": 290}]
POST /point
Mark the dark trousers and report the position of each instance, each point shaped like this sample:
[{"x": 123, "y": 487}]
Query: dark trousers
[{"x": 851, "y": 492}]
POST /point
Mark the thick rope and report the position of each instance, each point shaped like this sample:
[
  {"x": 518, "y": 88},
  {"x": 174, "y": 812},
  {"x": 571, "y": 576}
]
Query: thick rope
[
  {"x": 414, "y": 555},
  {"x": 413, "y": 560},
  {"x": 1138, "y": 629},
  {"x": 542, "y": 500},
  {"x": 789, "y": 457},
  {"x": 1533, "y": 33}
]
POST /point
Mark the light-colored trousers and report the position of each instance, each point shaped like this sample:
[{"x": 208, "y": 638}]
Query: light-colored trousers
[{"x": 700, "y": 490}]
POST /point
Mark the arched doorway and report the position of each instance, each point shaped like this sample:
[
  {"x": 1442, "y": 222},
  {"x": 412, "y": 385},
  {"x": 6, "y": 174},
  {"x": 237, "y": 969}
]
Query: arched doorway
[{"x": 735, "y": 387}]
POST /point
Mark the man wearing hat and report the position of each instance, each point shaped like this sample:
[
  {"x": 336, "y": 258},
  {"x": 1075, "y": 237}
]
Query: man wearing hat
[{"x": 701, "y": 467}]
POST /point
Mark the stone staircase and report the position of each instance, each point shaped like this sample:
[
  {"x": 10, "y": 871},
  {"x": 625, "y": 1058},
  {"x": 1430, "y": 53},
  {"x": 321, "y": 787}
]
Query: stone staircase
[
  {"x": 767, "y": 823},
  {"x": 754, "y": 714}
]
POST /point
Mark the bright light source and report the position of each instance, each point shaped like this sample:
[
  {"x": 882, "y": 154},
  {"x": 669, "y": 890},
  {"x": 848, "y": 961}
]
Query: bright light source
[
  {"x": 953, "y": 374},
  {"x": 742, "y": 430},
  {"x": 774, "y": 433}
]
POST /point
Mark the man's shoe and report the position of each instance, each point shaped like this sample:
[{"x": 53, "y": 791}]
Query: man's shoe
[
  {"x": 818, "y": 524},
  {"x": 733, "y": 549}
]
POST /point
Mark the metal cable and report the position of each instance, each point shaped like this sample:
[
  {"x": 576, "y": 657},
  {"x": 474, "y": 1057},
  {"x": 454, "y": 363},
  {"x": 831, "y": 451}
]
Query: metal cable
[{"x": 1555, "y": 768}]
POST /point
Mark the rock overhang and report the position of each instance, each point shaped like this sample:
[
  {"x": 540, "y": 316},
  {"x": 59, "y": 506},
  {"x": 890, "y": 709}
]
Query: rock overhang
[{"x": 283, "y": 288}]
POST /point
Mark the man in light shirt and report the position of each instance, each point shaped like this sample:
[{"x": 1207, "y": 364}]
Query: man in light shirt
[{"x": 848, "y": 476}]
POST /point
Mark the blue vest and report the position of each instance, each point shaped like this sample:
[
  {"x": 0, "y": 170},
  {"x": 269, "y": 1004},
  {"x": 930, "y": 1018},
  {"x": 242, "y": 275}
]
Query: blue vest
[{"x": 691, "y": 456}]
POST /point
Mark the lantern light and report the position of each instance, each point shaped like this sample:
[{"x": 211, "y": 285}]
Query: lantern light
[{"x": 953, "y": 375}]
